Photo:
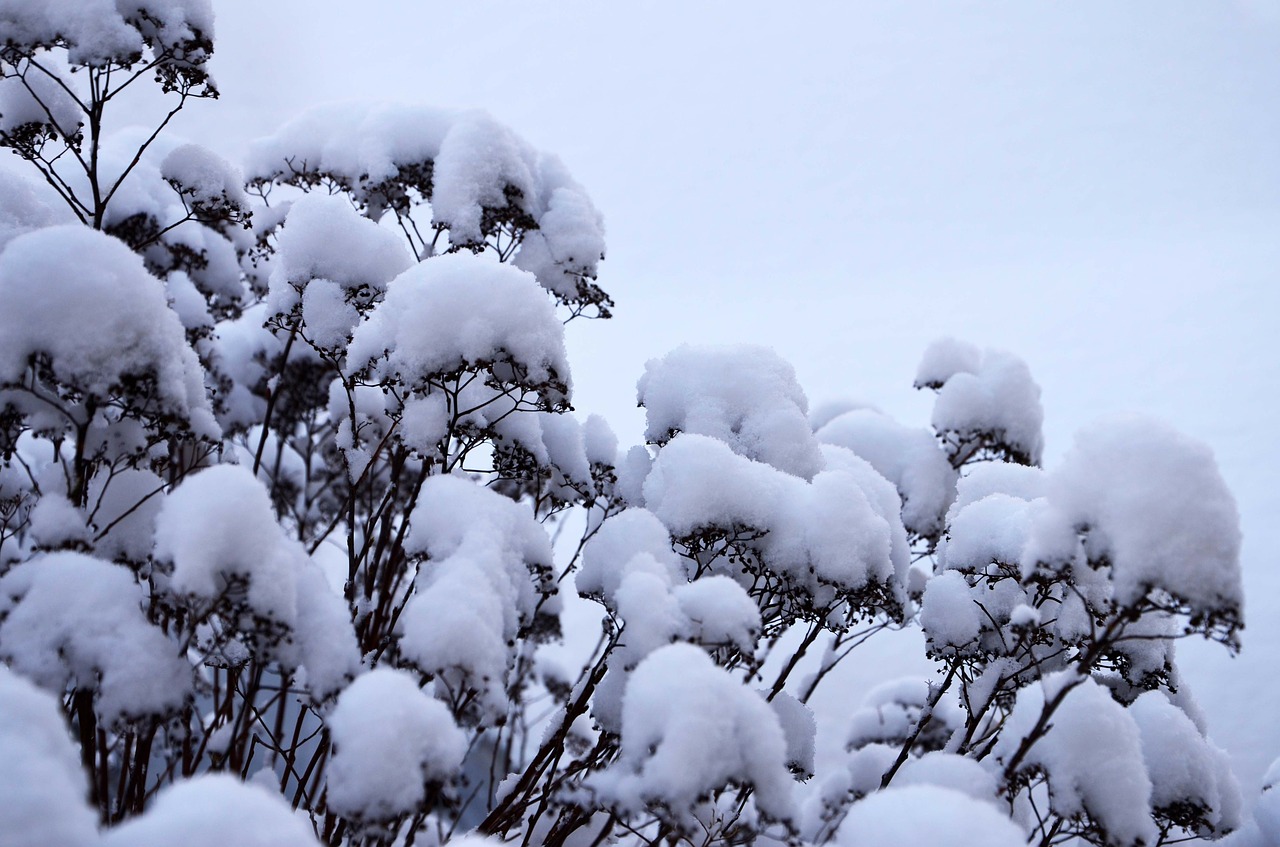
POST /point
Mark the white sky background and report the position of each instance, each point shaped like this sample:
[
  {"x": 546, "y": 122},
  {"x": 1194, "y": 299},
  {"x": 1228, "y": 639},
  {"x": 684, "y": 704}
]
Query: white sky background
[{"x": 1094, "y": 186}]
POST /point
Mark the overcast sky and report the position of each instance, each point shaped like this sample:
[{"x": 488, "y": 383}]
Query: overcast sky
[{"x": 1094, "y": 186}]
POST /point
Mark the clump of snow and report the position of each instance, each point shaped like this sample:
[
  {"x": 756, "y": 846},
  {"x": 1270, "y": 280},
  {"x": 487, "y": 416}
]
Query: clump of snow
[
  {"x": 985, "y": 399},
  {"x": 42, "y": 787},
  {"x": 99, "y": 32},
  {"x": 607, "y": 556},
  {"x": 1152, "y": 503},
  {"x": 746, "y": 396},
  {"x": 213, "y": 811},
  {"x": 390, "y": 742},
  {"x": 488, "y": 570},
  {"x": 211, "y": 184},
  {"x": 218, "y": 534},
  {"x": 69, "y": 620},
  {"x": 949, "y": 616},
  {"x": 325, "y": 238},
  {"x": 473, "y": 171},
  {"x": 463, "y": 312},
  {"x": 56, "y": 281},
  {"x": 27, "y": 206},
  {"x": 823, "y": 539},
  {"x": 800, "y": 729},
  {"x": 926, "y": 815},
  {"x": 40, "y": 103},
  {"x": 907, "y": 457},
  {"x": 890, "y": 712},
  {"x": 1091, "y": 752},
  {"x": 689, "y": 728},
  {"x": 1186, "y": 770}
]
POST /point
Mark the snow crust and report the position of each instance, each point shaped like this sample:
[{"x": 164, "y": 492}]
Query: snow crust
[{"x": 390, "y": 741}]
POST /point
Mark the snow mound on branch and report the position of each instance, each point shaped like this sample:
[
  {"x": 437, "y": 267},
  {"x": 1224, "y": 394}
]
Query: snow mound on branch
[
  {"x": 42, "y": 787},
  {"x": 206, "y": 179},
  {"x": 40, "y": 102},
  {"x": 97, "y": 32},
  {"x": 689, "y": 728},
  {"x": 214, "y": 811},
  {"x": 748, "y": 397},
  {"x": 218, "y": 531},
  {"x": 984, "y": 397},
  {"x": 926, "y": 815},
  {"x": 324, "y": 238},
  {"x": 1091, "y": 752},
  {"x": 27, "y": 206},
  {"x": 55, "y": 282},
  {"x": 818, "y": 535},
  {"x": 69, "y": 620},
  {"x": 1185, "y": 768},
  {"x": 606, "y": 557},
  {"x": 907, "y": 457},
  {"x": 390, "y": 741},
  {"x": 464, "y": 162},
  {"x": 490, "y": 565},
  {"x": 461, "y": 312},
  {"x": 1154, "y": 505}
]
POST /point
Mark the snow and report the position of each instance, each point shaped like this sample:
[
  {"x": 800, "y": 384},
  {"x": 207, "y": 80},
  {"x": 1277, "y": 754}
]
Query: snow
[
  {"x": 213, "y": 811},
  {"x": 1091, "y": 751},
  {"x": 27, "y": 206},
  {"x": 489, "y": 564},
  {"x": 688, "y": 728},
  {"x": 1156, "y": 507},
  {"x": 472, "y": 165},
  {"x": 390, "y": 742},
  {"x": 907, "y": 457},
  {"x": 607, "y": 557},
  {"x": 989, "y": 396},
  {"x": 42, "y": 788},
  {"x": 745, "y": 396},
  {"x": 97, "y": 32},
  {"x": 949, "y": 615},
  {"x": 57, "y": 281},
  {"x": 800, "y": 729},
  {"x": 218, "y": 527},
  {"x": 209, "y": 182},
  {"x": 461, "y": 312},
  {"x": 41, "y": 100},
  {"x": 218, "y": 535},
  {"x": 325, "y": 238},
  {"x": 926, "y": 815},
  {"x": 818, "y": 537},
  {"x": 69, "y": 620},
  {"x": 1183, "y": 765}
]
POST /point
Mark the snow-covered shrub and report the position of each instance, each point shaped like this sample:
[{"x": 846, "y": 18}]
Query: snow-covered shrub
[{"x": 279, "y": 461}]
